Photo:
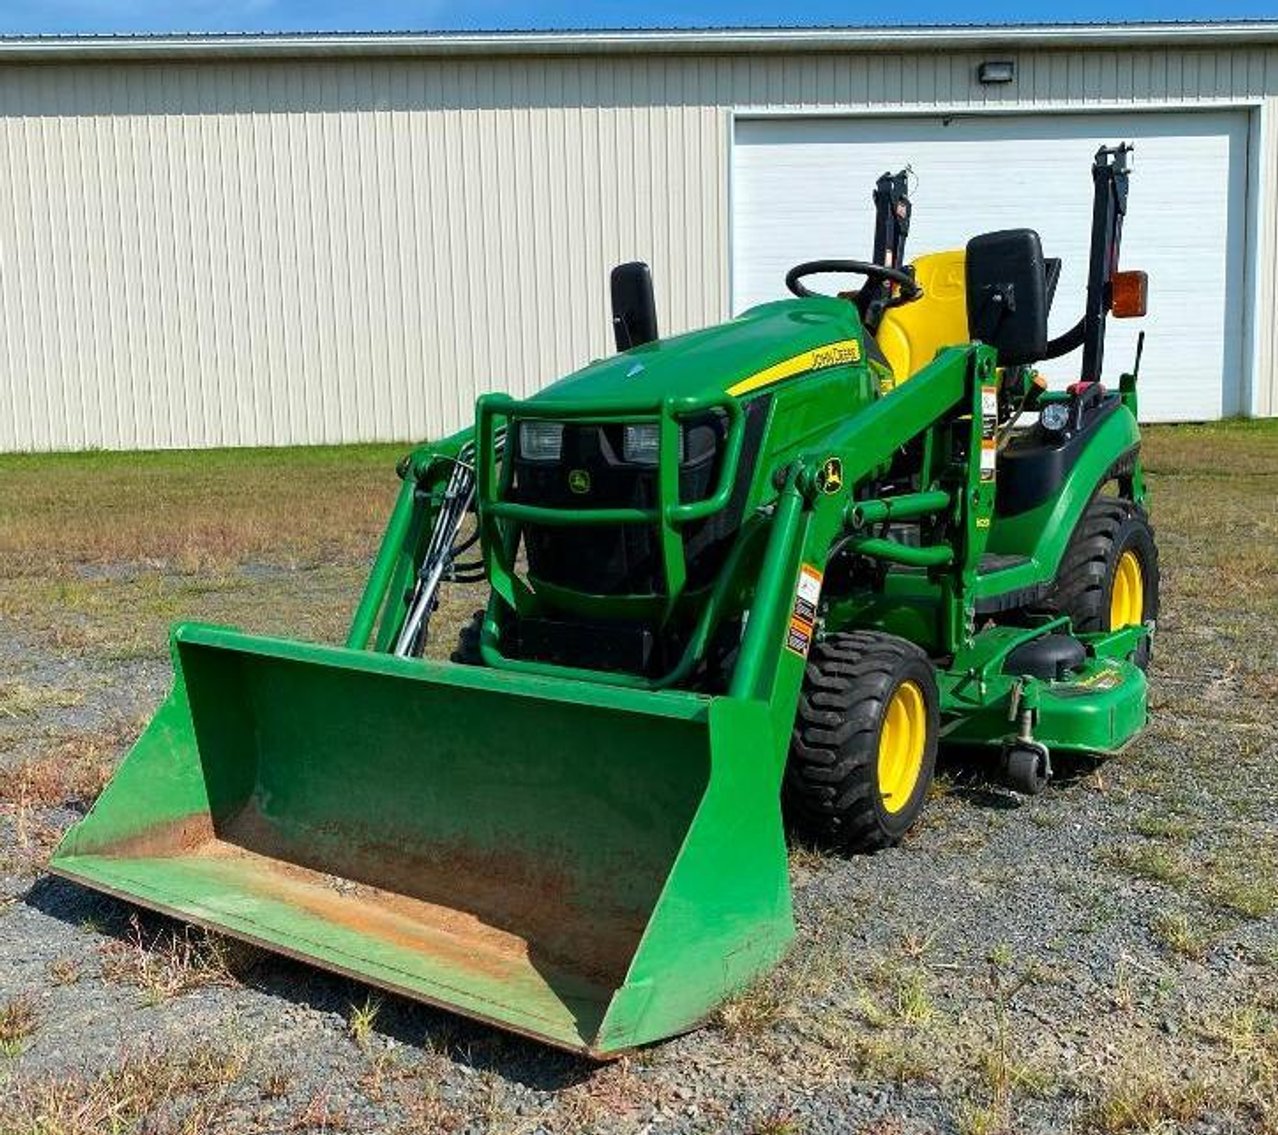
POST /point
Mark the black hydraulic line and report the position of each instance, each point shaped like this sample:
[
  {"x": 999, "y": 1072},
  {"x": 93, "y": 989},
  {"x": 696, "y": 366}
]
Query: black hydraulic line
[
  {"x": 466, "y": 544},
  {"x": 1063, "y": 344}
]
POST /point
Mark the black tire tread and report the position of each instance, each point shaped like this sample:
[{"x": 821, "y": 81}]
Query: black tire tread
[
  {"x": 829, "y": 781},
  {"x": 1080, "y": 590}
]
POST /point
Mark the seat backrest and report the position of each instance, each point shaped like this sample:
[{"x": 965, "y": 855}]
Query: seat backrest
[
  {"x": 1009, "y": 291},
  {"x": 634, "y": 310},
  {"x": 910, "y": 335}
]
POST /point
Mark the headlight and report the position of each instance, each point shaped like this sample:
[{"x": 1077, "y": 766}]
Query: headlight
[
  {"x": 541, "y": 441},
  {"x": 641, "y": 445},
  {"x": 1055, "y": 416}
]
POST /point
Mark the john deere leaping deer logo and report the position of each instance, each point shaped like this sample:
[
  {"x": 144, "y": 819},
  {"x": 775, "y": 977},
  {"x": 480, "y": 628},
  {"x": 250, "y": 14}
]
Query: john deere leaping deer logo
[
  {"x": 830, "y": 479},
  {"x": 578, "y": 481}
]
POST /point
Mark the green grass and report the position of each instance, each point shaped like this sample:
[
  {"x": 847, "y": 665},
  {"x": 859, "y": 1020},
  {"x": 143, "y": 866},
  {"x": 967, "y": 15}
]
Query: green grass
[
  {"x": 1151, "y": 862},
  {"x": 362, "y": 1021},
  {"x": 100, "y": 553},
  {"x": 1182, "y": 935},
  {"x": 1214, "y": 511},
  {"x": 1174, "y": 829},
  {"x": 193, "y": 510},
  {"x": 18, "y": 1021},
  {"x": 17, "y": 699}
]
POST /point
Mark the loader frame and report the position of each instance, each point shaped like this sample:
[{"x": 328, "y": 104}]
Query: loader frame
[{"x": 800, "y": 526}]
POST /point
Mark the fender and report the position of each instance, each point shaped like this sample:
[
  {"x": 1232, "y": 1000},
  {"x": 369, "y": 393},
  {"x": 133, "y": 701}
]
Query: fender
[{"x": 1043, "y": 533}]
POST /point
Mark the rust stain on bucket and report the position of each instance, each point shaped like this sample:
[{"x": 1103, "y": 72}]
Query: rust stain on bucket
[{"x": 488, "y": 912}]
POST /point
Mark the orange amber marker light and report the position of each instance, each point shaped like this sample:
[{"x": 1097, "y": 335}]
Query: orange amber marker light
[{"x": 1130, "y": 294}]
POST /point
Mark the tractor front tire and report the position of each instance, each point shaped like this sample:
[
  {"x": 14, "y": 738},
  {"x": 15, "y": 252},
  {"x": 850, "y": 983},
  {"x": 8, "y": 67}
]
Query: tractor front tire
[
  {"x": 1109, "y": 575},
  {"x": 863, "y": 749}
]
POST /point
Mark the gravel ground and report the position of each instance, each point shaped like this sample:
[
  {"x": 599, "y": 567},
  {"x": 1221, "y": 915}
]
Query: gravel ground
[{"x": 1103, "y": 957}]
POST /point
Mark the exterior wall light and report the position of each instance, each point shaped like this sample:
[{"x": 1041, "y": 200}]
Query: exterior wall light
[{"x": 997, "y": 71}]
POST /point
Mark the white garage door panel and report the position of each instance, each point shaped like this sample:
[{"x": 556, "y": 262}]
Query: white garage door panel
[{"x": 801, "y": 190}]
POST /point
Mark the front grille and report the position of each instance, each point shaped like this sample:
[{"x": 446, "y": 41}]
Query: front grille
[
  {"x": 610, "y": 559},
  {"x": 591, "y": 473}
]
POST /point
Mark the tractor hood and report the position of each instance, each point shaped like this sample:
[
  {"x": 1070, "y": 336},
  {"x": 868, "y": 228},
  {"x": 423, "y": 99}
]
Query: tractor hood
[{"x": 744, "y": 354}]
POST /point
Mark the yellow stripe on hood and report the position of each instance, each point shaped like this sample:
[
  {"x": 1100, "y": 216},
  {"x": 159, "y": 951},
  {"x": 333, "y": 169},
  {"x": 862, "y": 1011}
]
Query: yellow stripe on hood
[{"x": 837, "y": 354}]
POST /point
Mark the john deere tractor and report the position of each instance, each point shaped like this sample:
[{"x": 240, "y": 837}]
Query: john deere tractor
[{"x": 765, "y": 568}]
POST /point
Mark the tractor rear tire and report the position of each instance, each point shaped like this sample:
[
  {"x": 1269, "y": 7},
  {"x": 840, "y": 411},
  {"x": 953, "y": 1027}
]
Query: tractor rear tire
[
  {"x": 863, "y": 749},
  {"x": 1111, "y": 563}
]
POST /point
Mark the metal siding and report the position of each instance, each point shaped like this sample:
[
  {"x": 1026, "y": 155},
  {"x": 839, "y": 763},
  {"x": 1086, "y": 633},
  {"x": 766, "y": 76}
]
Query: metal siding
[
  {"x": 1264, "y": 393},
  {"x": 240, "y": 253}
]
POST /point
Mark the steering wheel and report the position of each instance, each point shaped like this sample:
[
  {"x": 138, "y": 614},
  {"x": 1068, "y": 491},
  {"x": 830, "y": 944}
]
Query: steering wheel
[{"x": 875, "y": 273}]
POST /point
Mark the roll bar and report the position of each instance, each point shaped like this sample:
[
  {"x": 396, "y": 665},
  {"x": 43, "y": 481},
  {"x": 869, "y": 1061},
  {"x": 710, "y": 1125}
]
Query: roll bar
[{"x": 1111, "y": 172}]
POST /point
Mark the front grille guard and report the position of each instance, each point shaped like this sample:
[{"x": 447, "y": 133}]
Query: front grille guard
[{"x": 500, "y": 518}]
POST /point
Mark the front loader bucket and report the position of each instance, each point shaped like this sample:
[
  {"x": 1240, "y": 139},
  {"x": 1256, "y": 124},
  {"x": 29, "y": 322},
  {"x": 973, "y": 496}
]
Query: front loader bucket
[{"x": 593, "y": 866}]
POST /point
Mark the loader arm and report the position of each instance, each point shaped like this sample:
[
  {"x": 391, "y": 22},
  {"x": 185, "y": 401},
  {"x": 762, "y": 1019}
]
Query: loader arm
[
  {"x": 423, "y": 473},
  {"x": 807, "y": 521}
]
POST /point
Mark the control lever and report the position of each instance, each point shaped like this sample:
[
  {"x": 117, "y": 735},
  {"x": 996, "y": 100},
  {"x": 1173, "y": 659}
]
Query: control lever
[{"x": 1083, "y": 396}]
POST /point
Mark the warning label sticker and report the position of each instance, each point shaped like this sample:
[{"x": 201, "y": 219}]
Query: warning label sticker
[
  {"x": 989, "y": 406},
  {"x": 803, "y": 618},
  {"x": 989, "y": 431},
  {"x": 799, "y": 638},
  {"x": 989, "y": 460}
]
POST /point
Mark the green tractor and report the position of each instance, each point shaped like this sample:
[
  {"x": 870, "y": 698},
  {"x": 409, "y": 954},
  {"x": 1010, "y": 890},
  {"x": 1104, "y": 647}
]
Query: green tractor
[{"x": 765, "y": 568}]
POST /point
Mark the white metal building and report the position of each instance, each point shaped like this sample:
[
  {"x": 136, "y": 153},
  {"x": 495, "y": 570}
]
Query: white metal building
[{"x": 297, "y": 239}]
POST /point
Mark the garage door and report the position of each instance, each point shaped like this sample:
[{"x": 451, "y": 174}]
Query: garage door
[{"x": 801, "y": 190}]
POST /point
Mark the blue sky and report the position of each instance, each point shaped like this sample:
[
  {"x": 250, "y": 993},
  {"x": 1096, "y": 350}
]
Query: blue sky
[{"x": 68, "y": 16}]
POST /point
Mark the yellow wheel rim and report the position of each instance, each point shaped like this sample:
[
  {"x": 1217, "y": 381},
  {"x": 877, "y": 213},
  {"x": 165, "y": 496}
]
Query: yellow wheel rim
[
  {"x": 1127, "y": 595},
  {"x": 901, "y": 744}
]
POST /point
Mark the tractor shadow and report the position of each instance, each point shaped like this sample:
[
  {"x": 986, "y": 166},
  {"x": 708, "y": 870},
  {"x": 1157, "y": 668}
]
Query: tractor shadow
[{"x": 407, "y": 1023}]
